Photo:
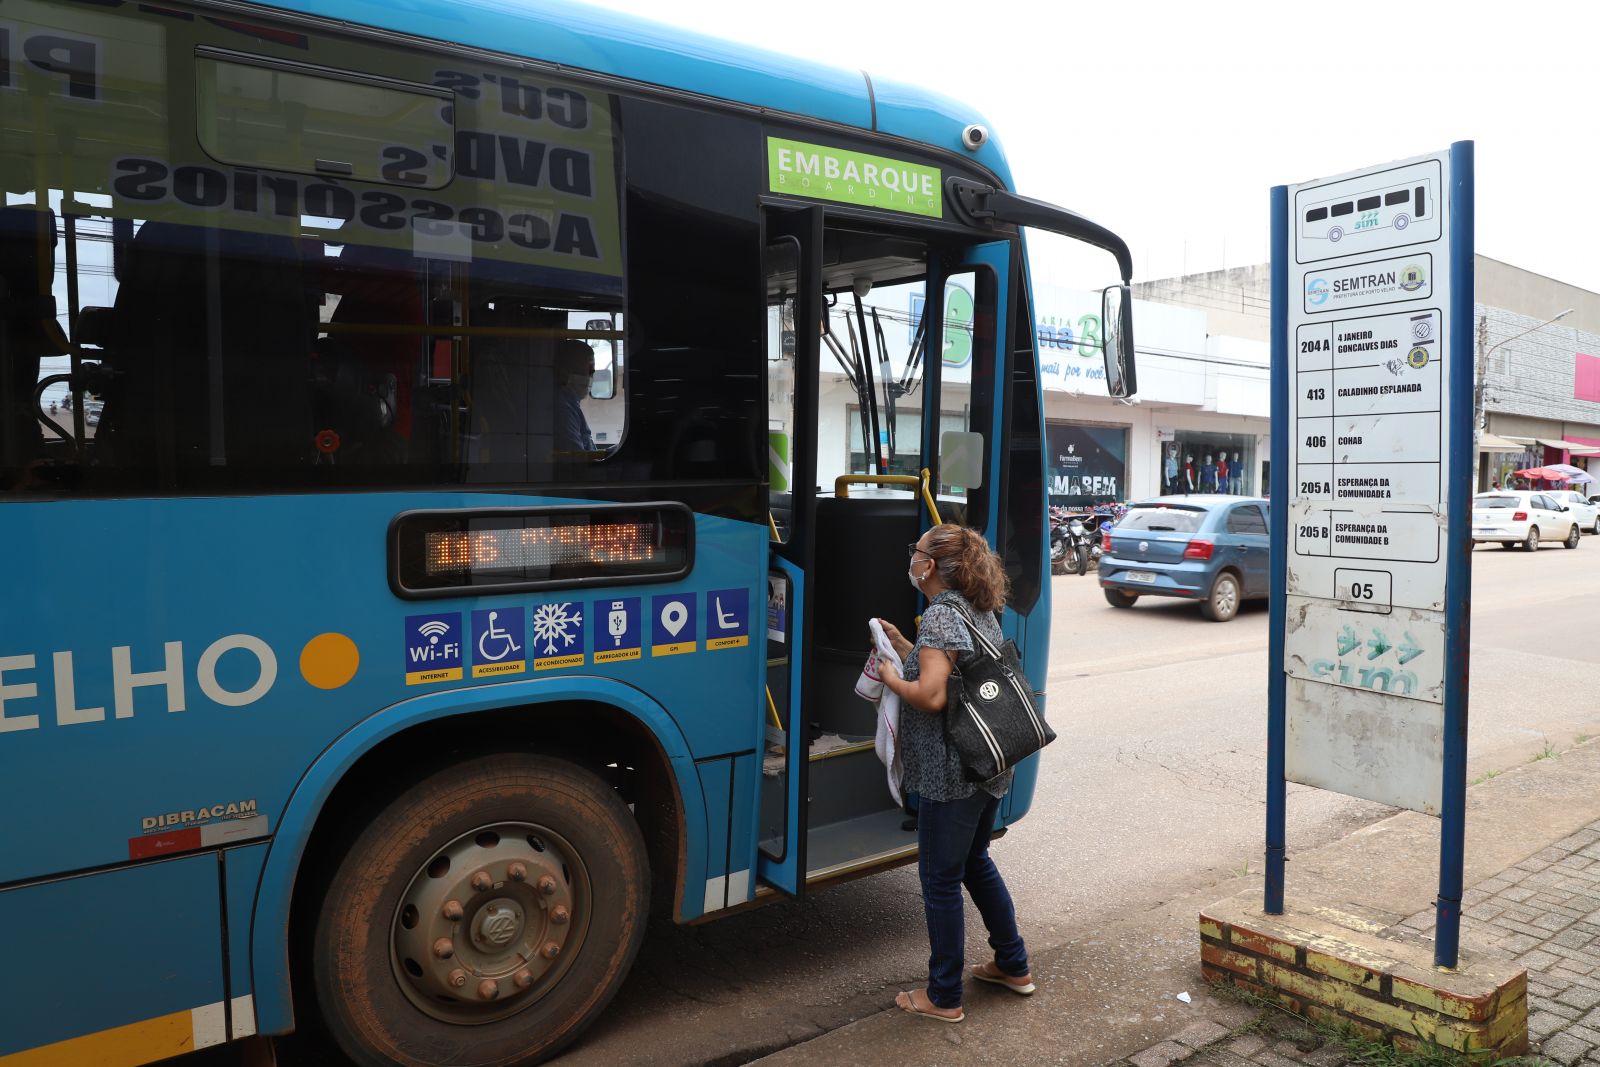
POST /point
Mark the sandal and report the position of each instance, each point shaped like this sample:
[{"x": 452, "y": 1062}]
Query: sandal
[
  {"x": 988, "y": 972},
  {"x": 909, "y": 1005}
]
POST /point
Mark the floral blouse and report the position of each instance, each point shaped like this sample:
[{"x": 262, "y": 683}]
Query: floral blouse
[{"x": 933, "y": 769}]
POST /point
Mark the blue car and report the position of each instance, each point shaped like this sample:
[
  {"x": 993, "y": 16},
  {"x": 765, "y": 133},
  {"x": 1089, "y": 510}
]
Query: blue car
[{"x": 1212, "y": 549}]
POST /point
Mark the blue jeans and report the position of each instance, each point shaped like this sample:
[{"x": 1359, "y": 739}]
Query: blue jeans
[{"x": 953, "y": 843}]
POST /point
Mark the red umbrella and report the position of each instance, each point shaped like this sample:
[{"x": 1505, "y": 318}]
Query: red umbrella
[{"x": 1547, "y": 473}]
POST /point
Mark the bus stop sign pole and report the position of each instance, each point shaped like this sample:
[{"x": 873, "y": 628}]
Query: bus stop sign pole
[
  {"x": 1458, "y": 580},
  {"x": 1373, "y": 440},
  {"x": 1277, "y": 564}
]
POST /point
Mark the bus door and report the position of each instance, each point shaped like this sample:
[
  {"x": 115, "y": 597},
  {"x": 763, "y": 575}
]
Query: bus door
[
  {"x": 793, "y": 294},
  {"x": 881, "y": 368}
]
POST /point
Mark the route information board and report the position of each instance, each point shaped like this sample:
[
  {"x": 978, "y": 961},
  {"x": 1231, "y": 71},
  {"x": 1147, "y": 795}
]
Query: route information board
[{"x": 1368, "y": 458}]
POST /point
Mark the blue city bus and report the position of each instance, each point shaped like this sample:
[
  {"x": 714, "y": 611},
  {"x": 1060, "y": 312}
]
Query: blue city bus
[{"x": 449, "y": 454}]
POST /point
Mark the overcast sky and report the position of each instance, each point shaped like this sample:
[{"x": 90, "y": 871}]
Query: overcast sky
[{"x": 1169, "y": 122}]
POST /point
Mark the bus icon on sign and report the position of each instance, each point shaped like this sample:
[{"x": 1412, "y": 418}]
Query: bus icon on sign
[{"x": 1387, "y": 207}]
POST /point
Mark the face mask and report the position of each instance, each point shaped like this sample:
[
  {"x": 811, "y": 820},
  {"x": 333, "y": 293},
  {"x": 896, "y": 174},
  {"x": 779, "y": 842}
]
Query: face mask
[{"x": 915, "y": 579}]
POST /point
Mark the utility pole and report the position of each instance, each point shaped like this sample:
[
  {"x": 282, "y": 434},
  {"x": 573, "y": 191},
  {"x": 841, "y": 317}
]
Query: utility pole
[{"x": 1478, "y": 427}]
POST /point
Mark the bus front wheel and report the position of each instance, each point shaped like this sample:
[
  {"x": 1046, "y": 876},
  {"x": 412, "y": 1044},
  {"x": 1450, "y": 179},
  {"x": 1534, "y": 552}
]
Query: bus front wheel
[{"x": 485, "y": 917}]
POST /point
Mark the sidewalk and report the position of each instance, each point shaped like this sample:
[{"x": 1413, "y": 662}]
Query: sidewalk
[
  {"x": 1110, "y": 996},
  {"x": 1544, "y": 912}
]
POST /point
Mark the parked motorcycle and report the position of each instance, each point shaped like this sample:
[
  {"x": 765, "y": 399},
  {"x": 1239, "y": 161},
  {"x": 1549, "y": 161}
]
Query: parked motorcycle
[
  {"x": 1074, "y": 544},
  {"x": 1060, "y": 541}
]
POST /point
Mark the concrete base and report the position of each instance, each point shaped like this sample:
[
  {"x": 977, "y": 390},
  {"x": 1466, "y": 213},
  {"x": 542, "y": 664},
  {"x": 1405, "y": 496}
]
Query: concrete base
[{"x": 1337, "y": 967}]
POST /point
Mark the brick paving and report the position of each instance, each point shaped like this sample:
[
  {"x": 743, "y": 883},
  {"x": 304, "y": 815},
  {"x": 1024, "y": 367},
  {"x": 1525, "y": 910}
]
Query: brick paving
[{"x": 1543, "y": 912}]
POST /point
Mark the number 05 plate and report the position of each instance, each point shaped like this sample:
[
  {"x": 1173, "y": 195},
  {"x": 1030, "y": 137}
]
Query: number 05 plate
[{"x": 1364, "y": 590}]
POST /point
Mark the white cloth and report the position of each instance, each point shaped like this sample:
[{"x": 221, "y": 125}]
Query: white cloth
[{"x": 870, "y": 687}]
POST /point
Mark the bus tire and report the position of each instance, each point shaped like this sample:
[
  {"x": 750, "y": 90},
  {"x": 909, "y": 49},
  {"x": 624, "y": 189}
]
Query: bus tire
[{"x": 484, "y": 917}]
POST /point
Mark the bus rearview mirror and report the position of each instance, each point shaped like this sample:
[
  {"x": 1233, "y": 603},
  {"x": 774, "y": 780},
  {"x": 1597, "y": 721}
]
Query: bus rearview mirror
[
  {"x": 961, "y": 459},
  {"x": 1116, "y": 313}
]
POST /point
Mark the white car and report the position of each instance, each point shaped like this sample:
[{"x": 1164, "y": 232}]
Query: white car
[
  {"x": 1583, "y": 509},
  {"x": 1517, "y": 516}
]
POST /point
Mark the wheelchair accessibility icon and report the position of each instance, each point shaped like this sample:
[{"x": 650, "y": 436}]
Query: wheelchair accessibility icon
[{"x": 496, "y": 644}]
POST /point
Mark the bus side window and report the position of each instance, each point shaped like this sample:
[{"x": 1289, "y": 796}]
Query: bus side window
[
  {"x": 1403, "y": 196},
  {"x": 1316, "y": 214},
  {"x": 1343, "y": 209},
  {"x": 1367, "y": 203}
]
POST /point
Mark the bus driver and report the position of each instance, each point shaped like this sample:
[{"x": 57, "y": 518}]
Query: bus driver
[{"x": 574, "y": 372}]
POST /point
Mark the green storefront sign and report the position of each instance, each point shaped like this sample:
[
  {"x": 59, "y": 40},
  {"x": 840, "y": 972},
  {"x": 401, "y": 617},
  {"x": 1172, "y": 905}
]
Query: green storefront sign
[{"x": 802, "y": 169}]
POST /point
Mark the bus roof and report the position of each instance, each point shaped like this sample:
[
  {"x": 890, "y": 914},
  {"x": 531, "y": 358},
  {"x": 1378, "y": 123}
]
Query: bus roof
[{"x": 608, "y": 42}]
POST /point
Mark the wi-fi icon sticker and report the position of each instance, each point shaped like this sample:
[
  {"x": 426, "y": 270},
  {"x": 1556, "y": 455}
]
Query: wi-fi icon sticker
[{"x": 433, "y": 630}]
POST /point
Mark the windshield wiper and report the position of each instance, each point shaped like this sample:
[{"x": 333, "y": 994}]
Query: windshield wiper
[
  {"x": 909, "y": 382},
  {"x": 889, "y": 384},
  {"x": 850, "y": 366},
  {"x": 865, "y": 395}
]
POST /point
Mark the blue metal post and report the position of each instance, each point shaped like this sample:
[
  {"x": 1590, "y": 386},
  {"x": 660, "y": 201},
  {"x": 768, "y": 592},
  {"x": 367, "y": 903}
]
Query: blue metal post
[
  {"x": 1278, "y": 493},
  {"x": 1458, "y": 573}
]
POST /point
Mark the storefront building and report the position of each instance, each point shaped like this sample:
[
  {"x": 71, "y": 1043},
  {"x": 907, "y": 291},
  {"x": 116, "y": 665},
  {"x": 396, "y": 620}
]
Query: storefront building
[
  {"x": 1199, "y": 423},
  {"x": 1538, "y": 351}
]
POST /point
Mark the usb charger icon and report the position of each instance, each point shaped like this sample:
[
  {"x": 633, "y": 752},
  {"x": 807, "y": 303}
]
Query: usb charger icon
[{"x": 617, "y": 623}]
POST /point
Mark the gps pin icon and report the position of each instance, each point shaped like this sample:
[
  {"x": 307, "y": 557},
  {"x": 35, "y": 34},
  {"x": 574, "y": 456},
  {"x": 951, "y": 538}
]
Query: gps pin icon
[{"x": 673, "y": 616}]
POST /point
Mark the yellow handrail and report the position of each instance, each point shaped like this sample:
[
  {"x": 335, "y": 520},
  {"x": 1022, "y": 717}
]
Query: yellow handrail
[
  {"x": 927, "y": 498},
  {"x": 772, "y": 709},
  {"x": 841, "y": 486}
]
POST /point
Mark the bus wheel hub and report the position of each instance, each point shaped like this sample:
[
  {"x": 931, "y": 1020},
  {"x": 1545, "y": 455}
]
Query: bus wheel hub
[
  {"x": 489, "y": 923},
  {"x": 498, "y": 923}
]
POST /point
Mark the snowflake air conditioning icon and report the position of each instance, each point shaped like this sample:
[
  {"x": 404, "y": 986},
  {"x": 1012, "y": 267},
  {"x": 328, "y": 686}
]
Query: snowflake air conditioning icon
[{"x": 557, "y": 622}]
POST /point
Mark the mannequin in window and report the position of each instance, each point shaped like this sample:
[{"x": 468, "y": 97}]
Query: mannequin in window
[
  {"x": 574, "y": 372},
  {"x": 1236, "y": 475},
  {"x": 1222, "y": 473},
  {"x": 1208, "y": 475},
  {"x": 1188, "y": 475},
  {"x": 1169, "y": 471}
]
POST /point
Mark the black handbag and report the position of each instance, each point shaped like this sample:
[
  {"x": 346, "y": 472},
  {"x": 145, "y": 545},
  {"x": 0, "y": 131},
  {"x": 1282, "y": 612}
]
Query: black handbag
[{"x": 989, "y": 714}]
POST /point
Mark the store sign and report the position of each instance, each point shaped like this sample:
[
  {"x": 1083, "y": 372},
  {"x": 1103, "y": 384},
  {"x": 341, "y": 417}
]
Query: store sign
[{"x": 1086, "y": 461}]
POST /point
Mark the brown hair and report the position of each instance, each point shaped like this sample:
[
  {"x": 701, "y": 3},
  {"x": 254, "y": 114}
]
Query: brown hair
[{"x": 968, "y": 566}]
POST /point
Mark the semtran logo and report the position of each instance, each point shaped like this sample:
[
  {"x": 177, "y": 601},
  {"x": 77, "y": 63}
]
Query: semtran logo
[{"x": 1316, "y": 291}]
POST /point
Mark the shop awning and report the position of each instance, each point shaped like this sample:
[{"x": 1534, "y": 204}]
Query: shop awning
[
  {"x": 1488, "y": 442},
  {"x": 1570, "y": 446}
]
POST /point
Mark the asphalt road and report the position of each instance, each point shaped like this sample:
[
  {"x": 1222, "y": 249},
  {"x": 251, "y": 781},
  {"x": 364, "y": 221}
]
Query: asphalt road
[{"x": 1155, "y": 786}]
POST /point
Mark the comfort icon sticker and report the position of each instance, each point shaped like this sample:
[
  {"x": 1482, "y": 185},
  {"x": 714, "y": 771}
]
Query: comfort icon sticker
[{"x": 727, "y": 618}]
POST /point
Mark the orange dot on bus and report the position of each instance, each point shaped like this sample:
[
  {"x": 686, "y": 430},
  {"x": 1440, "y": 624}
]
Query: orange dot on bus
[{"x": 329, "y": 660}]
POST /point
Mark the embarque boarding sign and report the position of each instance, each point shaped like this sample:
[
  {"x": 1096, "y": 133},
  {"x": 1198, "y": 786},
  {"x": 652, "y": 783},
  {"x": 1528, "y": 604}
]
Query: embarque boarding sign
[{"x": 1368, "y": 457}]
